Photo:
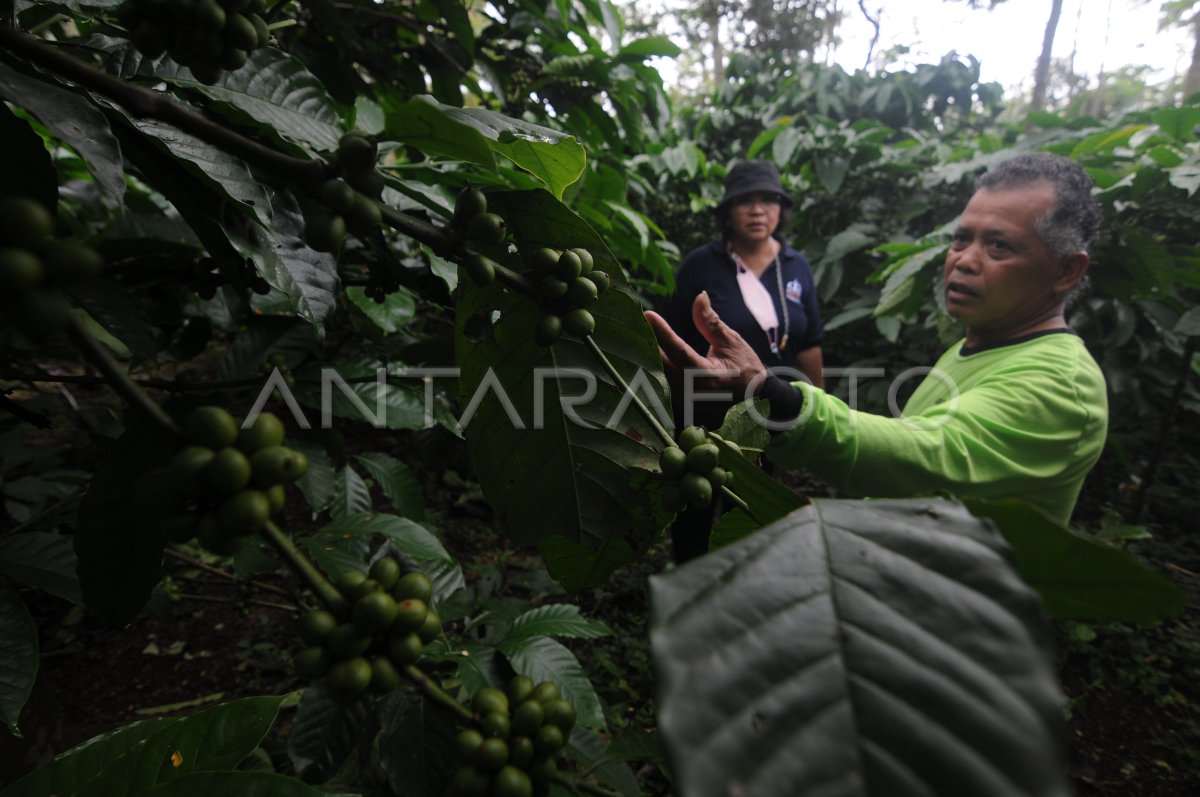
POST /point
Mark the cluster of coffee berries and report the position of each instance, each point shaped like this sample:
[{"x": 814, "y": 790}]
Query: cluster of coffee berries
[
  {"x": 513, "y": 748},
  {"x": 277, "y": 362},
  {"x": 567, "y": 285},
  {"x": 347, "y": 202},
  {"x": 471, "y": 220},
  {"x": 691, "y": 469},
  {"x": 390, "y": 620},
  {"x": 32, "y": 263},
  {"x": 207, "y": 36},
  {"x": 227, "y": 484}
]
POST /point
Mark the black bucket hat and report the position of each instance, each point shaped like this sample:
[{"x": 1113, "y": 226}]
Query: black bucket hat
[{"x": 753, "y": 177}]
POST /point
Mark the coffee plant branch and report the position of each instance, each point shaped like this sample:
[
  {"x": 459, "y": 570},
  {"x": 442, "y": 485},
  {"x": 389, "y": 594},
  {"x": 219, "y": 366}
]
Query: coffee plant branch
[
  {"x": 437, "y": 694},
  {"x": 144, "y": 103},
  {"x": 304, "y": 567}
]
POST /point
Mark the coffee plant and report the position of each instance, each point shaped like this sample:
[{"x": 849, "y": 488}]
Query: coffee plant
[{"x": 198, "y": 195}]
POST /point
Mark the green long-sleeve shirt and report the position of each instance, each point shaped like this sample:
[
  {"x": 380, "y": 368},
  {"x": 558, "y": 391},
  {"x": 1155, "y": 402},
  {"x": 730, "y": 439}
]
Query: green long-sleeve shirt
[{"x": 1028, "y": 422}]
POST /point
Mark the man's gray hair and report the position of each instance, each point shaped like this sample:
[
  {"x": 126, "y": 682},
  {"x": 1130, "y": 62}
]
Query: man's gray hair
[{"x": 1073, "y": 224}]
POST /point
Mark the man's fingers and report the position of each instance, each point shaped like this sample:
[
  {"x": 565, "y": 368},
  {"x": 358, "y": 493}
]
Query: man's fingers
[{"x": 673, "y": 348}]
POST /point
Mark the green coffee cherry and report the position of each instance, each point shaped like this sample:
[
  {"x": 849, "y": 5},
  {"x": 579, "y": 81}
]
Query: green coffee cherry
[
  {"x": 470, "y": 203},
  {"x": 337, "y": 195},
  {"x": 579, "y": 322},
  {"x": 691, "y": 437},
  {"x": 481, "y": 269},
  {"x": 488, "y": 229},
  {"x": 548, "y": 330}
]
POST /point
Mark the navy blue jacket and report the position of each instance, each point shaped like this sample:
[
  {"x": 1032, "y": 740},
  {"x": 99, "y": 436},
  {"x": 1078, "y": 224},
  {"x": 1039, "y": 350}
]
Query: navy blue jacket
[{"x": 710, "y": 268}]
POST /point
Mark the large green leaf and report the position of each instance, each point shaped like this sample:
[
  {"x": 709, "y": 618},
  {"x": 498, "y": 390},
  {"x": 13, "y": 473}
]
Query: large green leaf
[
  {"x": 554, "y": 158},
  {"x": 543, "y": 470},
  {"x": 361, "y": 390},
  {"x": 18, "y": 656},
  {"x": 274, "y": 89},
  {"x": 74, "y": 119},
  {"x": 857, "y": 648},
  {"x": 324, "y": 732},
  {"x": 543, "y": 659},
  {"x": 42, "y": 561},
  {"x": 118, "y": 542},
  {"x": 416, "y": 741},
  {"x": 222, "y": 171},
  {"x": 1078, "y": 577},
  {"x": 351, "y": 495},
  {"x": 132, "y": 759},
  {"x": 397, "y": 481},
  {"x": 556, "y": 619}
]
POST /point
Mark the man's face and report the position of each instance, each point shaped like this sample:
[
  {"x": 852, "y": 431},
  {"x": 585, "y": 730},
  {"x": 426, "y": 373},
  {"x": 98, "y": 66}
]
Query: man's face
[{"x": 1000, "y": 280}]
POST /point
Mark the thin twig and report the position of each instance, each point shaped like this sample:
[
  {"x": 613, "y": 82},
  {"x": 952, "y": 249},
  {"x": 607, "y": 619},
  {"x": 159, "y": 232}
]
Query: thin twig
[
  {"x": 216, "y": 571},
  {"x": 436, "y": 693},
  {"x": 119, "y": 378}
]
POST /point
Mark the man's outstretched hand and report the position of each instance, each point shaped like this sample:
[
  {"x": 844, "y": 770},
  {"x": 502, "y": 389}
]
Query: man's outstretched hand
[{"x": 730, "y": 363}]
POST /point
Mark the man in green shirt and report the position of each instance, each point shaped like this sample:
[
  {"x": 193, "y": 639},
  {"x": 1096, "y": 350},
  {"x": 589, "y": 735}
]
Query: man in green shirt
[{"x": 1016, "y": 409}]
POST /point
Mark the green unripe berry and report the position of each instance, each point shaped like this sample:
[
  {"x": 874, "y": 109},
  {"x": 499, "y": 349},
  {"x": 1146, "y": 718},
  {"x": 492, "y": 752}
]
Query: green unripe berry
[
  {"x": 413, "y": 585},
  {"x": 368, "y": 183},
  {"x": 491, "y": 755},
  {"x": 673, "y": 462},
  {"x": 211, "y": 426},
  {"x": 582, "y": 292},
  {"x": 324, "y": 233},
  {"x": 410, "y": 616},
  {"x": 228, "y": 471},
  {"x": 365, "y": 588},
  {"x": 337, "y": 195},
  {"x": 470, "y": 782},
  {"x": 384, "y": 677},
  {"x": 510, "y": 781},
  {"x": 24, "y": 222},
  {"x": 404, "y": 649},
  {"x": 579, "y": 322},
  {"x": 717, "y": 477},
  {"x": 20, "y": 270},
  {"x": 697, "y": 489},
  {"x": 386, "y": 571},
  {"x": 355, "y": 153},
  {"x": 348, "y": 582},
  {"x": 240, "y": 32},
  {"x": 431, "y": 629},
  {"x": 315, "y": 627},
  {"x": 488, "y": 229},
  {"x": 569, "y": 266},
  {"x": 519, "y": 689},
  {"x": 552, "y": 288},
  {"x": 469, "y": 204},
  {"x": 363, "y": 216},
  {"x": 346, "y": 641},
  {"x": 210, "y": 16},
  {"x": 277, "y": 497},
  {"x": 374, "y": 612},
  {"x": 544, "y": 261},
  {"x": 489, "y": 699},
  {"x": 602, "y": 281},
  {"x": 276, "y": 464},
  {"x": 261, "y": 29},
  {"x": 520, "y": 751},
  {"x": 495, "y": 725},
  {"x": 244, "y": 512},
  {"x": 481, "y": 269},
  {"x": 691, "y": 437},
  {"x": 233, "y": 58},
  {"x": 311, "y": 662},
  {"x": 545, "y": 691},
  {"x": 549, "y": 740},
  {"x": 527, "y": 718},
  {"x": 349, "y": 678},
  {"x": 561, "y": 713},
  {"x": 703, "y": 458},
  {"x": 266, "y": 430},
  {"x": 466, "y": 743},
  {"x": 585, "y": 259},
  {"x": 548, "y": 330}
]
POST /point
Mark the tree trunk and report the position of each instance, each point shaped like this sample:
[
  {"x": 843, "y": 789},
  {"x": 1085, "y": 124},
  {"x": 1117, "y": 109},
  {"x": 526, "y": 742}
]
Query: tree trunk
[
  {"x": 1191, "y": 81},
  {"x": 718, "y": 53},
  {"x": 1041, "y": 76}
]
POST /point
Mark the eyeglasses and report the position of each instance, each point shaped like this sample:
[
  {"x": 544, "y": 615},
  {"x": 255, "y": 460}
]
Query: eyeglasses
[{"x": 767, "y": 200}]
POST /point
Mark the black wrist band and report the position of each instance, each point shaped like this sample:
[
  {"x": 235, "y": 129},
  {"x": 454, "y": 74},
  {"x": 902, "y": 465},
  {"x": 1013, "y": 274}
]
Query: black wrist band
[{"x": 785, "y": 400}]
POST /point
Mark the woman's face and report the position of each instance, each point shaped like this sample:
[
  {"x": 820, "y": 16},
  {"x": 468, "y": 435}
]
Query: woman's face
[{"x": 753, "y": 217}]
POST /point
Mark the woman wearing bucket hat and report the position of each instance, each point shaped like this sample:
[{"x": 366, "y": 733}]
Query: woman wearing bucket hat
[{"x": 760, "y": 287}]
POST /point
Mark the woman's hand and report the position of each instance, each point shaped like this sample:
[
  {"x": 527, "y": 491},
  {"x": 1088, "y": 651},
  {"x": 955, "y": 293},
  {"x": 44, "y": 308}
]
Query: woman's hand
[{"x": 730, "y": 363}]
